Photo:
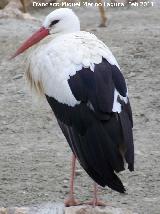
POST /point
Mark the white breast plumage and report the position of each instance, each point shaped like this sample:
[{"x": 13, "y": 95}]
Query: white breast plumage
[{"x": 52, "y": 63}]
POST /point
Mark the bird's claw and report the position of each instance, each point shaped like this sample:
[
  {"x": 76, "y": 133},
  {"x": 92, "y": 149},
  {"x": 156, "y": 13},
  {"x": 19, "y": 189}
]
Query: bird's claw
[
  {"x": 71, "y": 201},
  {"x": 95, "y": 203},
  {"x": 102, "y": 25}
]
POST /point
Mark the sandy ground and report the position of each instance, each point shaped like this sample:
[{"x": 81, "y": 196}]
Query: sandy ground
[{"x": 34, "y": 156}]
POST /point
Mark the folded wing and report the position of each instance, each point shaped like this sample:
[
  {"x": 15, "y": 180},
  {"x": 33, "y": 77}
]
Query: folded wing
[{"x": 99, "y": 128}]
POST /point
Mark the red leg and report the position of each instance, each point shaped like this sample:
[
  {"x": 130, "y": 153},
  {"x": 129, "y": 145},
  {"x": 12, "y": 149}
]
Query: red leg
[
  {"x": 70, "y": 201},
  {"x": 95, "y": 202},
  {"x": 95, "y": 195}
]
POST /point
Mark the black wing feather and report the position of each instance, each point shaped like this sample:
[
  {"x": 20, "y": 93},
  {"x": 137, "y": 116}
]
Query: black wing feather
[
  {"x": 119, "y": 81},
  {"x": 96, "y": 87}
]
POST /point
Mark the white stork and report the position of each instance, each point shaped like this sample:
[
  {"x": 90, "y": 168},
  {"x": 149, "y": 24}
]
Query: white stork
[{"x": 86, "y": 90}]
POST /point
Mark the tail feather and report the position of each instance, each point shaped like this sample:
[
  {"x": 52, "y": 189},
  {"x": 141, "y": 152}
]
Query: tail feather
[{"x": 97, "y": 151}]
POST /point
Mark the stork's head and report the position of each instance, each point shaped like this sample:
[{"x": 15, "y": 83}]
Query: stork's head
[{"x": 60, "y": 21}]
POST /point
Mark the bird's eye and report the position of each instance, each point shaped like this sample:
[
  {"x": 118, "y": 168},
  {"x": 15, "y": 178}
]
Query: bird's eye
[{"x": 54, "y": 22}]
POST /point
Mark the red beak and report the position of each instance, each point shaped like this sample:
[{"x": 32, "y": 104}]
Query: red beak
[{"x": 36, "y": 37}]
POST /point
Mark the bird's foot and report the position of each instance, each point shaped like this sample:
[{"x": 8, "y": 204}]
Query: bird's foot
[
  {"x": 95, "y": 203},
  {"x": 102, "y": 25},
  {"x": 15, "y": 13},
  {"x": 71, "y": 201},
  {"x": 28, "y": 16}
]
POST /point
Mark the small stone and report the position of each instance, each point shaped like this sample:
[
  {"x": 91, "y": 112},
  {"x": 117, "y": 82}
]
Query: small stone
[
  {"x": 65, "y": 186},
  {"x": 78, "y": 172},
  {"x": 65, "y": 181},
  {"x": 19, "y": 76},
  {"x": 3, "y": 210}
]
